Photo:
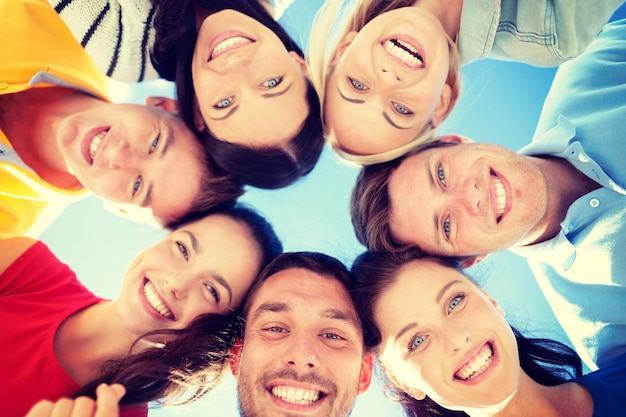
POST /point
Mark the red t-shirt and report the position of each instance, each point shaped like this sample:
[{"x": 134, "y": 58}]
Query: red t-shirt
[{"x": 37, "y": 292}]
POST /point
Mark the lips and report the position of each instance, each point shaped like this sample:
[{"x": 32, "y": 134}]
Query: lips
[
  {"x": 477, "y": 365},
  {"x": 155, "y": 301},
  {"x": 228, "y": 41},
  {"x": 405, "y": 50}
]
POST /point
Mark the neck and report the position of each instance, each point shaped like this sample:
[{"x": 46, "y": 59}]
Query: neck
[
  {"x": 534, "y": 399},
  {"x": 30, "y": 120},
  {"x": 565, "y": 185},
  {"x": 91, "y": 337},
  {"x": 447, "y": 11}
]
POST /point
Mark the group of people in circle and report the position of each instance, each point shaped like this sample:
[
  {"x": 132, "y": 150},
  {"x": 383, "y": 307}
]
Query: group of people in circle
[{"x": 299, "y": 331}]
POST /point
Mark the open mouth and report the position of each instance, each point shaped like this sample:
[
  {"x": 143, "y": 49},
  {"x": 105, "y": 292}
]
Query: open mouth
[
  {"x": 500, "y": 196},
  {"x": 477, "y": 365},
  {"x": 300, "y": 396},
  {"x": 155, "y": 300},
  {"x": 228, "y": 44},
  {"x": 404, "y": 51},
  {"x": 95, "y": 143}
]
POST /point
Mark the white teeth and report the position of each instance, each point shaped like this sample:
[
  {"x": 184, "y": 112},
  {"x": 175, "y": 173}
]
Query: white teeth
[
  {"x": 476, "y": 366},
  {"x": 228, "y": 43},
  {"x": 500, "y": 196},
  {"x": 407, "y": 54},
  {"x": 296, "y": 395},
  {"x": 95, "y": 142},
  {"x": 155, "y": 301}
]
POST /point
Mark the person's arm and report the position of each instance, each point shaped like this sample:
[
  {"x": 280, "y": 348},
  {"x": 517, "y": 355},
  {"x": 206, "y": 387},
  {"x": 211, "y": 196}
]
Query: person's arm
[
  {"x": 106, "y": 405},
  {"x": 118, "y": 35},
  {"x": 12, "y": 248}
]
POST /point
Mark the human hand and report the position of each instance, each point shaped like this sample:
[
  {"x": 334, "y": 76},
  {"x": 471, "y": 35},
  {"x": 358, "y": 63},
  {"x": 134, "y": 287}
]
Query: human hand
[{"x": 106, "y": 404}]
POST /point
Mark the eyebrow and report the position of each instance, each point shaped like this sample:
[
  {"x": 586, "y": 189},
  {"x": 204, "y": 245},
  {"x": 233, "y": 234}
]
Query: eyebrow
[
  {"x": 270, "y": 308},
  {"x": 351, "y": 100},
  {"x": 433, "y": 185},
  {"x": 336, "y": 314},
  {"x": 168, "y": 141},
  {"x": 227, "y": 115},
  {"x": 392, "y": 123},
  {"x": 440, "y": 294}
]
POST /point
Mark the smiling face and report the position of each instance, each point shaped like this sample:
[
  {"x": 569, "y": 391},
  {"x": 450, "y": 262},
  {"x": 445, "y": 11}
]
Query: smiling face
[
  {"x": 467, "y": 199},
  {"x": 389, "y": 82},
  {"x": 127, "y": 153},
  {"x": 250, "y": 90},
  {"x": 303, "y": 349},
  {"x": 204, "y": 267},
  {"x": 444, "y": 337}
]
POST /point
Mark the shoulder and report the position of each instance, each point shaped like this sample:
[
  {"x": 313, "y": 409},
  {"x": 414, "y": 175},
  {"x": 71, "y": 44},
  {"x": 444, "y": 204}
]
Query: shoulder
[{"x": 12, "y": 248}]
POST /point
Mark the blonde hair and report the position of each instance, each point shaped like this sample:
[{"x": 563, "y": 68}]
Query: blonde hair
[{"x": 334, "y": 20}]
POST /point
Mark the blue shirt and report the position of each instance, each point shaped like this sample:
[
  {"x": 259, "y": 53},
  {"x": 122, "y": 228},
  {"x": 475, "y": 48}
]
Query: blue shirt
[
  {"x": 538, "y": 32},
  {"x": 607, "y": 388},
  {"x": 582, "y": 270}
]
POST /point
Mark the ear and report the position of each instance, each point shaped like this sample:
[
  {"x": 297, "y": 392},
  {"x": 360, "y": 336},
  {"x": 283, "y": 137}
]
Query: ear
[
  {"x": 235, "y": 357},
  {"x": 198, "y": 119},
  {"x": 300, "y": 62},
  {"x": 453, "y": 138},
  {"x": 443, "y": 106},
  {"x": 164, "y": 103},
  {"x": 473, "y": 260},
  {"x": 343, "y": 45},
  {"x": 365, "y": 378},
  {"x": 413, "y": 392}
]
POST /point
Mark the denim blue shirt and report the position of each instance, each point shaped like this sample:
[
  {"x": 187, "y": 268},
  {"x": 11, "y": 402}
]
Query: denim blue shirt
[
  {"x": 582, "y": 270},
  {"x": 543, "y": 33}
]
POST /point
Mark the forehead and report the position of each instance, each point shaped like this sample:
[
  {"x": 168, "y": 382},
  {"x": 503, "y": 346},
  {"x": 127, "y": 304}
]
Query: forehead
[{"x": 303, "y": 291}]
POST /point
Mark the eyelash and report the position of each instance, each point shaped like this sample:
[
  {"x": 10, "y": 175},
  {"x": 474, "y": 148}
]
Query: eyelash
[
  {"x": 223, "y": 103},
  {"x": 137, "y": 185},
  {"x": 357, "y": 85},
  {"x": 155, "y": 144},
  {"x": 412, "y": 346},
  {"x": 458, "y": 298},
  {"x": 278, "y": 80},
  {"x": 183, "y": 249},
  {"x": 213, "y": 292},
  {"x": 401, "y": 110}
]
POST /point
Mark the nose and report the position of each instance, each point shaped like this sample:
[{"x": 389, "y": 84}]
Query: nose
[
  {"x": 301, "y": 353},
  {"x": 389, "y": 76},
  {"x": 455, "y": 338},
  {"x": 178, "y": 285},
  {"x": 467, "y": 196},
  {"x": 237, "y": 63},
  {"x": 121, "y": 156}
]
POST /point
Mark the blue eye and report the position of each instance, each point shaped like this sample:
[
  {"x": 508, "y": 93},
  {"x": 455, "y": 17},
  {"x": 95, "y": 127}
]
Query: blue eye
[
  {"x": 416, "y": 342},
  {"x": 358, "y": 85},
  {"x": 273, "y": 82},
  {"x": 155, "y": 144},
  {"x": 331, "y": 336},
  {"x": 224, "y": 103},
  {"x": 402, "y": 109},
  {"x": 276, "y": 329},
  {"x": 455, "y": 301},
  {"x": 136, "y": 186},
  {"x": 183, "y": 249},
  {"x": 441, "y": 174}
]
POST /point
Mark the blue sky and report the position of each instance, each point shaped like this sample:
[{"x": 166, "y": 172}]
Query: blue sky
[{"x": 501, "y": 103}]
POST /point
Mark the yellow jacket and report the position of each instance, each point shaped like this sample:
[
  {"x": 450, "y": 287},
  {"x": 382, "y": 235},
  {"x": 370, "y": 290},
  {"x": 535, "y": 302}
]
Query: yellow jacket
[{"x": 37, "y": 51}]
